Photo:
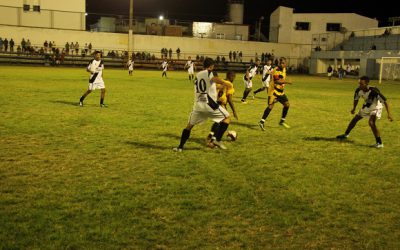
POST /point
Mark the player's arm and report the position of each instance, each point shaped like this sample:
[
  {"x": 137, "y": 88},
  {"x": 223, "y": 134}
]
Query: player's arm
[
  {"x": 390, "y": 117},
  {"x": 220, "y": 81},
  {"x": 354, "y": 107},
  {"x": 230, "y": 101}
]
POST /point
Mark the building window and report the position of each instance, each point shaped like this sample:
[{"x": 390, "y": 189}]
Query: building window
[
  {"x": 333, "y": 26},
  {"x": 27, "y": 7},
  {"x": 36, "y": 8},
  {"x": 302, "y": 26},
  {"x": 220, "y": 36}
]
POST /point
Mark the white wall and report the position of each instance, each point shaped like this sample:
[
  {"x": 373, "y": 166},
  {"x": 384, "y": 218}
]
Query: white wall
[
  {"x": 188, "y": 46},
  {"x": 285, "y": 19},
  {"x": 62, "y": 14}
]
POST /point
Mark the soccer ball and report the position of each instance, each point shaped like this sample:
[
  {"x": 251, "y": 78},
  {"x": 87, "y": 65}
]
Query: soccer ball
[{"x": 232, "y": 135}]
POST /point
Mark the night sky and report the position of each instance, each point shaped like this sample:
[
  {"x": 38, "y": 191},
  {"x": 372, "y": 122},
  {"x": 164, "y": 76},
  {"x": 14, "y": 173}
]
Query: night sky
[{"x": 216, "y": 10}]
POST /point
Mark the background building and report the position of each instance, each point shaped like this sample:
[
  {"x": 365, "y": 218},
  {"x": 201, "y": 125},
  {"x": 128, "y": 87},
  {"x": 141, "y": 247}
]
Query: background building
[
  {"x": 57, "y": 14},
  {"x": 289, "y": 27}
]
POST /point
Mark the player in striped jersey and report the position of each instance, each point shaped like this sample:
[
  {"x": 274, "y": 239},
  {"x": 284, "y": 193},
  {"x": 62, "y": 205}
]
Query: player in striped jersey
[
  {"x": 164, "y": 67},
  {"x": 371, "y": 109},
  {"x": 266, "y": 78},
  {"x": 130, "y": 64},
  {"x": 95, "y": 68},
  {"x": 191, "y": 68},
  {"x": 247, "y": 79},
  {"x": 206, "y": 106},
  {"x": 276, "y": 94}
]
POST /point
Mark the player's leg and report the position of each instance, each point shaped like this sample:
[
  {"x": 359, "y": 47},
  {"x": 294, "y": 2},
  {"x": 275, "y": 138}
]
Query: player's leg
[
  {"x": 271, "y": 102},
  {"x": 352, "y": 124},
  {"x": 285, "y": 102},
  {"x": 375, "y": 130},
  {"x": 84, "y": 96},
  {"x": 245, "y": 94},
  {"x": 213, "y": 131},
  {"x": 194, "y": 118},
  {"x": 102, "y": 95},
  {"x": 259, "y": 90},
  {"x": 222, "y": 117}
]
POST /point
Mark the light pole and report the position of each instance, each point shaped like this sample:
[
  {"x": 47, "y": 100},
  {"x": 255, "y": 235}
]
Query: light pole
[
  {"x": 130, "y": 35},
  {"x": 259, "y": 27}
]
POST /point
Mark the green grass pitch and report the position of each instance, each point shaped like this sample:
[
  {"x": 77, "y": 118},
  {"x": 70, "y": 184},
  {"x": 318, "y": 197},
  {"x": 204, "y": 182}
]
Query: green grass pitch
[{"x": 107, "y": 178}]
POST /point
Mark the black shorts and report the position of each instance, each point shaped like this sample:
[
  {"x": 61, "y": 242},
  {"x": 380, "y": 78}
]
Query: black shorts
[{"x": 277, "y": 98}]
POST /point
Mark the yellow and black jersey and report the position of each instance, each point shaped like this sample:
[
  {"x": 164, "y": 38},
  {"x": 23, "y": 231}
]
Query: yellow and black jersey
[
  {"x": 277, "y": 82},
  {"x": 224, "y": 91}
]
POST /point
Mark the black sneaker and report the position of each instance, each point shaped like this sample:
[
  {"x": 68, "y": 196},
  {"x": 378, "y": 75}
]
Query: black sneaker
[
  {"x": 261, "y": 126},
  {"x": 342, "y": 137},
  {"x": 81, "y": 103}
]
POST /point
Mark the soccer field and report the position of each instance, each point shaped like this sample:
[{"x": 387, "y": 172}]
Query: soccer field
[{"x": 106, "y": 178}]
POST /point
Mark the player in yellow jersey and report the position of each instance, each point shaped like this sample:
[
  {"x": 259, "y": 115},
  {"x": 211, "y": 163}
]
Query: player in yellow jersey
[
  {"x": 225, "y": 96},
  {"x": 276, "y": 94}
]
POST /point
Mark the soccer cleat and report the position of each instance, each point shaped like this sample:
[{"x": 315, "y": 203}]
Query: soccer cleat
[
  {"x": 244, "y": 102},
  {"x": 81, "y": 103},
  {"x": 261, "y": 126},
  {"x": 179, "y": 150},
  {"x": 254, "y": 96},
  {"x": 220, "y": 144},
  {"x": 377, "y": 145},
  {"x": 285, "y": 125},
  {"x": 103, "y": 105},
  {"x": 341, "y": 137}
]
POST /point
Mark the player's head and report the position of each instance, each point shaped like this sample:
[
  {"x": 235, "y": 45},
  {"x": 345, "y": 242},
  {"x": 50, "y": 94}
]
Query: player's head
[
  {"x": 189, "y": 58},
  {"x": 208, "y": 63},
  {"x": 269, "y": 62},
  {"x": 230, "y": 75},
  {"x": 363, "y": 81},
  {"x": 257, "y": 61},
  {"x": 97, "y": 55},
  {"x": 282, "y": 62}
]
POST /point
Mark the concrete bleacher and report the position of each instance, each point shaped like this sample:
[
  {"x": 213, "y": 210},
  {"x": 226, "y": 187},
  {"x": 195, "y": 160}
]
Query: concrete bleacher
[
  {"x": 389, "y": 42},
  {"x": 13, "y": 58}
]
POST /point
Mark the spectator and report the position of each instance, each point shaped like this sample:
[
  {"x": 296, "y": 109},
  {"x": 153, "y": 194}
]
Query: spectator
[
  {"x": 12, "y": 45},
  {"x": 5, "y": 42},
  {"x": 23, "y": 45},
  {"x": 240, "y": 56},
  {"x": 86, "y": 48},
  {"x": 19, "y": 50},
  {"x": 170, "y": 53},
  {"x": 373, "y": 47},
  {"x": 28, "y": 45},
  {"x": 45, "y": 44},
  {"x": 1, "y": 44},
  {"x": 72, "y": 47},
  {"x": 330, "y": 72},
  {"x": 230, "y": 56},
  {"x": 340, "y": 72},
  {"x": 178, "y": 52},
  {"x": 234, "y": 56},
  {"x": 66, "y": 47},
  {"x": 90, "y": 48},
  {"x": 77, "y": 48}
]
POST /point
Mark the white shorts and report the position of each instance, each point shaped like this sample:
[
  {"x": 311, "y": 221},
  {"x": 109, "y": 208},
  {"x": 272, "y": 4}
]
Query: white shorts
[
  {"x": 248, "y": 84},
  {"x": 265, "y": 84},
  {"x": 330, "y": 73},
  {"x": 130, "y": 68},
  {"x": 98, "y": 85},
  {"x": 201, "y": 112},
  {"x": 190, "y": 71},
  {"x": 367, "y": 112}
]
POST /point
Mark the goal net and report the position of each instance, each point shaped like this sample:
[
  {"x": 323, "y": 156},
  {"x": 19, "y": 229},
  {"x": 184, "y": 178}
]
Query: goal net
[{"x": 389, "y": 69}]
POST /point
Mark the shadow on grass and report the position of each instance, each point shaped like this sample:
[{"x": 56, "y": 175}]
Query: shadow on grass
[
  {"x": 155, "y": 146},
  {"x": 201, "y": 141},
  {"x": 66, "y": 102},
  {"x": 319, "y": 138},
  {"x": 246, "y": 125}
]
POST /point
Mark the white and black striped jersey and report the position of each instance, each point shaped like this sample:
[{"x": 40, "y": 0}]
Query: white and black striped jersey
[
  {"x": 130, "y": 64},
  {"x": 96, "y": 68},
  {"x": 205, "y": 90},
  {"x": 164, "y": 66},
  {"x": 373, "y": 97},
  {"x": 252, "y": 70},
  {"x": 267, "y": 71},
  {"x": 190, "y": 65}
]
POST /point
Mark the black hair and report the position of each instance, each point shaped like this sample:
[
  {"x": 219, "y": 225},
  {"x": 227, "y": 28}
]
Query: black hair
[
  {"x": 365, "y": 78},
  {"x": 208, "y": 62},
  {"x": 229, "y": 73}
]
